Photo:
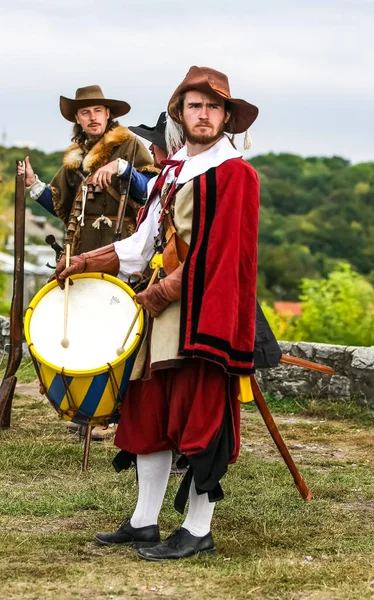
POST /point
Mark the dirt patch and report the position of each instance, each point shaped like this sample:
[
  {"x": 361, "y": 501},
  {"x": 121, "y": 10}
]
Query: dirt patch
[
  {"x": 45, "y": 526},
  {"x": 359, "y": 505},
  {"x": 257, "y": 440},
  {"x": 306, "y": 439},
  {"x": 29, "y": 389},
  {"x": 315, "y": 595}
]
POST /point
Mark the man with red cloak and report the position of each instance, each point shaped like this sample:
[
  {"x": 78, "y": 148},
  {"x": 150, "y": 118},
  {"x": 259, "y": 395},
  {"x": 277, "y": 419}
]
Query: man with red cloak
[{"x": 202, "y": 214}]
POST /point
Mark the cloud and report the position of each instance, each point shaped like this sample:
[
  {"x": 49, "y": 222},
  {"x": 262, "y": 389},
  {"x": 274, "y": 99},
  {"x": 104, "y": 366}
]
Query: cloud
[{"x": 305, "y": 66}]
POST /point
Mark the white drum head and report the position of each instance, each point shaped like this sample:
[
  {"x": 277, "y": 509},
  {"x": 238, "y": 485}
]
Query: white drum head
[{"x": 99, "y": 315}]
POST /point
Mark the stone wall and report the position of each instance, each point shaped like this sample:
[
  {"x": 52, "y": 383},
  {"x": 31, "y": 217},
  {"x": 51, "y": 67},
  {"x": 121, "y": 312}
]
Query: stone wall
[
  {"x": 4, "y": 332},
  {"x": 354, "y": 368},
  {"x": 5, "y": 340},
  {"x": 354, "y": 377}
]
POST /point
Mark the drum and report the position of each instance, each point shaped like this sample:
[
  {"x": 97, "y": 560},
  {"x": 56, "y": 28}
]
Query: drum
[{"x": 86, "y": 381}]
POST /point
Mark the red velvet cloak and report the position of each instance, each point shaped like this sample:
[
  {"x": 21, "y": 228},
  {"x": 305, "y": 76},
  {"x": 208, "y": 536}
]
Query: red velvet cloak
[{"x": 218, "y": 304}]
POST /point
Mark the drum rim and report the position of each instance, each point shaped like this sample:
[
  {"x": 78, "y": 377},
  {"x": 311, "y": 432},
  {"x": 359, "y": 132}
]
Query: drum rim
[{"x": 91, "y": 372}]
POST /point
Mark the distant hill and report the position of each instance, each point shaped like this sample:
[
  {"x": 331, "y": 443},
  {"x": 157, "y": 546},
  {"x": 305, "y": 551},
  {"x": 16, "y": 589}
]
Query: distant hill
[
  {"x": 45, "y": 165},
  {"x": 315, "y": 212}
]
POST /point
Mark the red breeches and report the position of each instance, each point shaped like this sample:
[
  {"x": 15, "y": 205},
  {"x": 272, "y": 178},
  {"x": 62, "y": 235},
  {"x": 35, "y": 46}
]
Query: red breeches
[{"x": 179, "y": 409}]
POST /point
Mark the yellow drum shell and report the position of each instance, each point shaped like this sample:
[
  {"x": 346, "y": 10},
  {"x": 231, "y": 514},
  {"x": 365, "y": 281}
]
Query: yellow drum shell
[{"x": 84, "y": 395}]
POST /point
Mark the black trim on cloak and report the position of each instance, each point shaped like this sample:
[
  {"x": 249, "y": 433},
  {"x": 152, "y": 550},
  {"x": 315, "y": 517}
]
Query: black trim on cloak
[{"x": 210, "y": 208}]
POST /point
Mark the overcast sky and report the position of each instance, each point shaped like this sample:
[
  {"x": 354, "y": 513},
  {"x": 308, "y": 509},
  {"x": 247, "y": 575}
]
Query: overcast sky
[{"x": 307, "y": 65}]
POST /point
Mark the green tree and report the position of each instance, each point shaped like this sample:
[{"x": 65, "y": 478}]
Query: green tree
[
  {"x": 337, "y": 310},
  {"x": 284, "y": 326},
  {"x": 45, "y": 165},
  {"x": 4, "y": 306},
  {"x": 282, "y": 267}
]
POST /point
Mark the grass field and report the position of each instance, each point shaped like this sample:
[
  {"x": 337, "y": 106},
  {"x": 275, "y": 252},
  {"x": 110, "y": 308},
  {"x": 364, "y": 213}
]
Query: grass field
[{"x": 271, "y": 544}]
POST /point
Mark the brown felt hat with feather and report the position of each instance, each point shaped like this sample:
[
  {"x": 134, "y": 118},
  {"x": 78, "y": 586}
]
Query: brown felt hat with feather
[
  {"x": 215, "y": 83},
  {"x": 91, "y": 95}
]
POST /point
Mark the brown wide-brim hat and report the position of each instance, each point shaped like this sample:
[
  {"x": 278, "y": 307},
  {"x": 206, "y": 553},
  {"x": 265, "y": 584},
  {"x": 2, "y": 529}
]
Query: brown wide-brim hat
[
  {"x": 214, "y": 83},
  {"x": 91, "y": 95}
]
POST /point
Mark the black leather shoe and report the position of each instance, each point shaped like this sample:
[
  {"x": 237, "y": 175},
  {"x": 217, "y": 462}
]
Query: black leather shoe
[
  {"x": 180, "y": 544},
  {"x": 128, "y": 535}
]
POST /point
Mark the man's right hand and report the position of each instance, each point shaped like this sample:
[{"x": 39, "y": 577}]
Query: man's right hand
[
  {"x": 103, "y": 176},
  {"x": 77, "y": 266},
  {"x": 101, "y": 260},
  {"x": 24, "y": 167}
]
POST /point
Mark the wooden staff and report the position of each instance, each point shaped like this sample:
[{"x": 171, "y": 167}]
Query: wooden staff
[
  {"x": 151, "y": 282},
  {"x": 65, "y": 341},
  {"x": 16, "y": 311},
  {"x": 274, "y": 432}
]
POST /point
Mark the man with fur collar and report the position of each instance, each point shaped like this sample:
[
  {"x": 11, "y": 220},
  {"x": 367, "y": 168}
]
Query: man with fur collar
[
  {"x": 100, "y": 159},
  {"x": 184, "y": 396}
]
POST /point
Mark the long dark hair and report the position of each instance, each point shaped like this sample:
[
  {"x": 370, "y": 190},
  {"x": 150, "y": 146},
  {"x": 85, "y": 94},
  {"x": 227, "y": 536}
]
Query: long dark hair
[{"x": 81, "y": 138}]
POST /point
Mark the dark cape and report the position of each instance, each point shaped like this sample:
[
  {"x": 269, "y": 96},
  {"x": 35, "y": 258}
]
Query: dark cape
[{"x": 267, "y": 353}]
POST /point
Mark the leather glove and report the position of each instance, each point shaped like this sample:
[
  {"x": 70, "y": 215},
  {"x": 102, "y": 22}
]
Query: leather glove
[
  {"x": 156, "y": 298},
  {"x": 102, "y": 260}
]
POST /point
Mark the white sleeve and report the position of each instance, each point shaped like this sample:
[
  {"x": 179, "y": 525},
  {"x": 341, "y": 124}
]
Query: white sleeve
[
  {"x": 36, "y": 189},
  {"x": 136, "y": 251}
]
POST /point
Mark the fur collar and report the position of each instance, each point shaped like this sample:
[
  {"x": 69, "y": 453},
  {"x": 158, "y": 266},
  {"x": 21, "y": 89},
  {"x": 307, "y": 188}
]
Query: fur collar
[{"x": 75, "y": 157}]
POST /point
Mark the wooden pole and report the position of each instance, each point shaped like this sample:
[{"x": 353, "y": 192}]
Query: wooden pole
[
  {"x": 87, "y": 446},
  {"x": 8, "y": 384}
]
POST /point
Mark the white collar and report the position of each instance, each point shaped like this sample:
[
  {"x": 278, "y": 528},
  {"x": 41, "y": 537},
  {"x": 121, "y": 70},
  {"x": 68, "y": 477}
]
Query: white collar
[{"x": 199, "y": 164}]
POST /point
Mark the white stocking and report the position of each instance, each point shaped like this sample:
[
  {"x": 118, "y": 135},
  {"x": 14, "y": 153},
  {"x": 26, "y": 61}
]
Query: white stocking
[
  {"x": 153, "y": 475},
  {"x": 200, "y": 513}
]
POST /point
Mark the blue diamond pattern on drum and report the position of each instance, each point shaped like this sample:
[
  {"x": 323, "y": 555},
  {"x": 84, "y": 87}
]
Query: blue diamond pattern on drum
[
  {"x": 92, "y": 397},
  {"x": 126, "y": 376},
  {"x": 57, "y": 389}
]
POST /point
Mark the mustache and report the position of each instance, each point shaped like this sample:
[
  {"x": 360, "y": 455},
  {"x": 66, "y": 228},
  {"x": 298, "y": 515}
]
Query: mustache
[{"x": 203, "y": 124}]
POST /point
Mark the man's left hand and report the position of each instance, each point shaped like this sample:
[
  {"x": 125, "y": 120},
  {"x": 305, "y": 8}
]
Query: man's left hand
[
  {"x": 156, "y": 298},
  {"x": 103, "y": 176},
  {"x": 153, "y": 300}
]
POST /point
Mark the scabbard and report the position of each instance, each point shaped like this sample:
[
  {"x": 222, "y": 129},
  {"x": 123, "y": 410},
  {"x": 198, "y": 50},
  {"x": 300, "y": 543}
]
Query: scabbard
[
  {"x": 279, "y": 442},
  {"x": 306, "y": 364}
]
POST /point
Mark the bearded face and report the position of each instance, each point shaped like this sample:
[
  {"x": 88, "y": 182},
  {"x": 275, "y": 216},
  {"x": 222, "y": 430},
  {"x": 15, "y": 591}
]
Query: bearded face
[{"x": 203, "y": 118}]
